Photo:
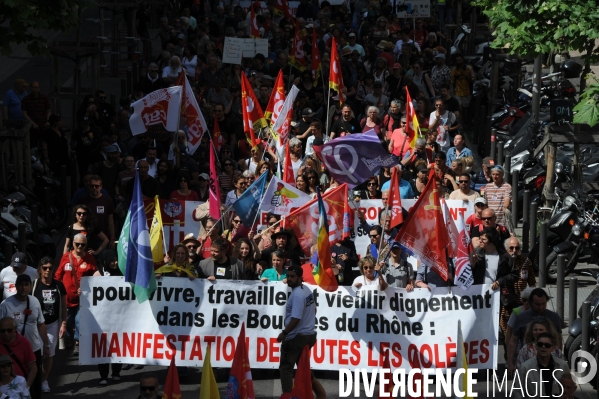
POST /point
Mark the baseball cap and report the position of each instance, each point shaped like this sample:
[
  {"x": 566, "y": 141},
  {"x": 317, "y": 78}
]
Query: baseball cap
[
  {"x": 488, "y": 162},
  {"x": 352, "y": 35},
  {"x": 23, "y": 278},
  {"x": 19, "y": 260},
  {"x": 111, "y": 148},
  {"x": 480, "y": 200},
  {"x": 397, "y": 65},
  {"x": 4, "y": 359},
  {"x": 308, "y": 112},
  {"x": 440, "y": 55},
  {"x": 204, "y": 176}
]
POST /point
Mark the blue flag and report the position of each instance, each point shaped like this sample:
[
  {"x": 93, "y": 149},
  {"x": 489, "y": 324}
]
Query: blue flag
[
  {"x": 248, "y": 203},
  {"x": 134, "y": 252}
]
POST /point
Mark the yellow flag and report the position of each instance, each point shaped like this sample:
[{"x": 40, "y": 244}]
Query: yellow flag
[
  {"x": 462, "y": 362},
  {"x": 156, "y": 234},
  {"x": 208, "y": 387}
]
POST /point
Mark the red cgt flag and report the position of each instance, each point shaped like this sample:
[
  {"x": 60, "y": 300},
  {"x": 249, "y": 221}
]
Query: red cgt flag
[
  {"x": 253, "y": 118},
  {"x": 297, "y": 57},
  {"x": 196, "y": 124},
  {"x": 424, "y": 233},
  {"x": 255, "y": 31},
  {"x": 277, "y": 99},
  {"x": 394, "y": 201},
  {"x": 288, "y": 175},
  {"x": 217, "y": 138},
  {"x": 172, "y": 389},
  {"x": 240, "y": 383},
  {"x": 282, "y": 9},
  {"x": 316, "y": 64},
  {"x": 335, "y": 77},
  {"x": 302, "y": 383},
  {"x": 304, "y": 221}
]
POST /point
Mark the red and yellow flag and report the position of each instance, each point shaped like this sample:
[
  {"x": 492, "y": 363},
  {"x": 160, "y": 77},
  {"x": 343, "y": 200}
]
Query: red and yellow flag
[
  {"x": 240, "y": 380},
  {"x": 277, "y": 99},
  {"x": 253, "y": 118},
  {"x": 297, "y": 58},
  {"x": 316, "y": 64},
  {"x": 335, "y": 77},
  {"x": 172, "y": 389},
  {"x": 323, "y": 270},
  {"x": 394, "y": 202},
  {"x": 282, "y": 9},
  {"x": 412, "y": 127}
]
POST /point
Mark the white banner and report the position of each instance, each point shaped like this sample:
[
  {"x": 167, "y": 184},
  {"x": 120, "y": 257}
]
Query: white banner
[
  {"x": 184, "y": 317},
  {"x": 372, "y": 208},
  {"x": 415, "y": 9}
]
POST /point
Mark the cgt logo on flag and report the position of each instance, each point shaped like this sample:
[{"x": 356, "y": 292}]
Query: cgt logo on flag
[{"x": 584, "y": 367}]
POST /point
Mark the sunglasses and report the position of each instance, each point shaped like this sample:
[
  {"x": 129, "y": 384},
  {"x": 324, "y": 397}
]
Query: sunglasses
[
  {"x": 95, "y": 185},
  {"x": 79, "y": 244},
  {"x": 488, "y": 218},
  {"x": 368, "y": 267},
  {"x": 5, "y": 330},
  {"x": 374, "y": 236},
  {"x": 147, "y": 388},
  {"x": 514, "y": 248},
  {"x": 539, "y": 344},
  {"x": 371, "y": 184},
  {"x": 464, "y": 181},
  {"x": 480, "y": 205},
  {"x": 46, "y": 267},
  {"x": 228, "y": 164},
  {"x": 236, "y": 221},
  {"x": 403, "y": 123},
  {"x": 81, "y": 213}
]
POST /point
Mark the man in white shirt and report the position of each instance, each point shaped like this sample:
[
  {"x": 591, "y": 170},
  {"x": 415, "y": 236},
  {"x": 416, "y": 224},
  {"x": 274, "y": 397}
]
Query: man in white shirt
[
  {"x": 403, "y": 38},
  {"x": 316, "y": 131},
  {"x": 9, "y": 274},
  {"x": 355, "y": 46},
  {"x": 465, "y": 193},
  {"x": 443, "y": 122}
]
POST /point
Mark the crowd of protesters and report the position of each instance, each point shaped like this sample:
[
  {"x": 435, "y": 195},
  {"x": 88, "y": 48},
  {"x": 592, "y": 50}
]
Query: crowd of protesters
[{"x": 382, "y": 58}]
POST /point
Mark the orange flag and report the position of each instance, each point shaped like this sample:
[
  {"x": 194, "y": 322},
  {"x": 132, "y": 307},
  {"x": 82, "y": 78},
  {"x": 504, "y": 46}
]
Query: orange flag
[
  {"x": 394, "y": 201},
  {"x": 316, "y": 64},
  {"x": 335, "y": 77},
  {"x": 297, "y": 58},
  {"x": 302, "y": 383},
  {"x": 172, "y": 389},
  {"x": 253, "y": 118},
  {"x": 288, "y": 175},
  {"x": 277, "y": 99}
]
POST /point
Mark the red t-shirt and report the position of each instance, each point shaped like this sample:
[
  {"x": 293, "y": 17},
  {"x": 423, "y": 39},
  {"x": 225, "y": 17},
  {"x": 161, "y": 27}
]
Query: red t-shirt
[
  {"x": 192, "y": 196},
  {"x": 70, "y": 275},
  {"x": 21, "y": 347},
  {"x": 472, "y": 223}
]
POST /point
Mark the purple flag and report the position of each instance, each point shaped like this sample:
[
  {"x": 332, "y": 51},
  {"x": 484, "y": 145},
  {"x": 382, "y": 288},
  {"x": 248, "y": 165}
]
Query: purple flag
[{"x": 353, "y": 159}]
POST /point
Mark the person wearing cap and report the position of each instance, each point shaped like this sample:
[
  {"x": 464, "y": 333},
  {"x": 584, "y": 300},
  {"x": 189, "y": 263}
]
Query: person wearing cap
[
  {"x": 13, "y": 100},
  {"x": 282, "y": 240},
  {"x": 17, "y": 267},
  {"x": 440, "y": 73},
  {"x": 11, "y": 386},
  {"x": 475, "y": 220},
  {"x": 73, "y": 266},
  {"x": 299, "y": 330},
  {"x": 18, "y": 348},
  {"x": 464, "y": 193},
  {"x": 52, "y": 296},
  {"x": 498, "y": 194},
  {"x": 354, "y": 46},
  {"x": 304, "y": 125},
  {"x": 29, "y": 320}
]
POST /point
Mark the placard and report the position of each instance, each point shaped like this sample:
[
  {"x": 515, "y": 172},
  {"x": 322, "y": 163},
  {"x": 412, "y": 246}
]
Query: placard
[
  {"x": 414, "y": 9},
  {"x": 233, "y": 50}
]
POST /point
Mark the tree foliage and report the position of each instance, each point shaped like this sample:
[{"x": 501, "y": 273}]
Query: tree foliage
[
  {"x": 587, "y": 109},
  {"x": 24, "y": 21},
  {"x": 532, "y": 27}
]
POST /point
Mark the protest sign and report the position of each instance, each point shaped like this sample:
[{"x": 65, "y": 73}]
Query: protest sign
[
  {"x": 233, "y": 50},
  {"x": 372, "y": 208},
  {"x": 183, "y": 317},
  {"x": 415, "y": 9}
]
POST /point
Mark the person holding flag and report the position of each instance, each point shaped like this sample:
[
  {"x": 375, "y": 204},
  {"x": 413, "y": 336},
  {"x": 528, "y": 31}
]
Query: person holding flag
[{"x": 299, "y": 331}]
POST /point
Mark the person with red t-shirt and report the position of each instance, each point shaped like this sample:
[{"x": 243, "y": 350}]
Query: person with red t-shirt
[
  {"x": 19, "y": 349},
  {"x": 73, "y": 266},
  {"x": 475, "y": 220},
  {"x": 418, "y": 34}
]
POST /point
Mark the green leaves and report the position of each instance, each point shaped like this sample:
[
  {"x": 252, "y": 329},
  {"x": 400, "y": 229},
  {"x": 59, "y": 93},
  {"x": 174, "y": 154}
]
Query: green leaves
[{"x": 588, "y": 107}]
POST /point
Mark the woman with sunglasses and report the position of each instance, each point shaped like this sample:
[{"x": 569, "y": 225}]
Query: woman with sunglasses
[
  {"x": 247, "y": 252},
  {"x": 232, "y": 231},
  {"x": 312, "y": 182},
  {"x": 370, "y": 274},
  {"x": 372, "y": 189},
  {"x": 53, "y": 297},
  {"x": 251, "y": 163},
  {"x": 240, "y": 184},
  {"x": 85, "y": 224},
  {"x": 11, "y": 386},
  {"x": 73, "y": 266},
  {"x": 184, "y": 193},
  {"x": 227, "y": 177}
]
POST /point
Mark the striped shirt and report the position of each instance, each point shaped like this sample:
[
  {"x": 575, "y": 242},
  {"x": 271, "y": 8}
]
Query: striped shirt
[{"x": 496, "y": 196}]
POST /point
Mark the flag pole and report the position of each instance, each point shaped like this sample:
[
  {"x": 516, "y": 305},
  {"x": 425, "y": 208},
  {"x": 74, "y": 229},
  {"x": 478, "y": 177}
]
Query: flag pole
[
  {"x": 328, "y": 111},
  {"x": 221, "y": 217},
  {"x": 261, "y": 201}
]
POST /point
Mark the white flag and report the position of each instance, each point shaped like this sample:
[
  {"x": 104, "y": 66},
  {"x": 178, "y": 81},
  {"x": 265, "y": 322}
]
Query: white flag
[
  {"x": 160, "y": 106},
  {"x": 280, "y": 197},
  {"x": 281, "y": 125},
  {"x": 196, "y": 124}
]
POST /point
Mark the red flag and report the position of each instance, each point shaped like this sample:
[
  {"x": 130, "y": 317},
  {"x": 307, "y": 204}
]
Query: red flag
[
  {"x": 315, "y": 61},
  {"x": 394, "y": 201},
  {"x": 297, "y": 58},
  {"x": 172, "y": 389},
  {"x": 255, "y": 31},
  {"x": 253, "y": 118},
  {"x": 240, "y": 383},
  {"x": 214, "y": 189},
  {"x": 302, "y": 383},
  {"x": 452, "y": 231},
  {"x": 159, "y": 107},
  {"x": 388, "y": 375},
  {"x": 412, "y": 127},
  {"x": 335, "y": 78},
  {"x": 217, "y": 138},
  {"x": 196, "y": 125},
  {"x": 277, "y": 99},
  {"x": 288, "y": 175},
  {"x": 424, "y": 233},
  {"x": 304, "y": 221},
  {"x": 282, "y": 9}
]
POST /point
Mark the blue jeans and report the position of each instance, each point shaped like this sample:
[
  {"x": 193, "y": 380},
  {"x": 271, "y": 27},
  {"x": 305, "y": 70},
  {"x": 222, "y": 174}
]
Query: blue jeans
[{"x": 73, "y": 323}]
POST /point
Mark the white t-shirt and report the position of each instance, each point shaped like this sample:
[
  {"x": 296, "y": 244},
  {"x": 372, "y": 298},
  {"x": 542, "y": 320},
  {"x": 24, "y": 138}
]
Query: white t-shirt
[
  {"x": 190, "y": 65},
  {"x": 362, "y": 280},
  {"x": 301, "y": 305},
  {"x": 14, "y": 308},
  {"x": 8, "y": 278},
  {"x": 447, "y": 119},
  {"x": 309, "y": 149},
  {"x": 492, "y": 266}
]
